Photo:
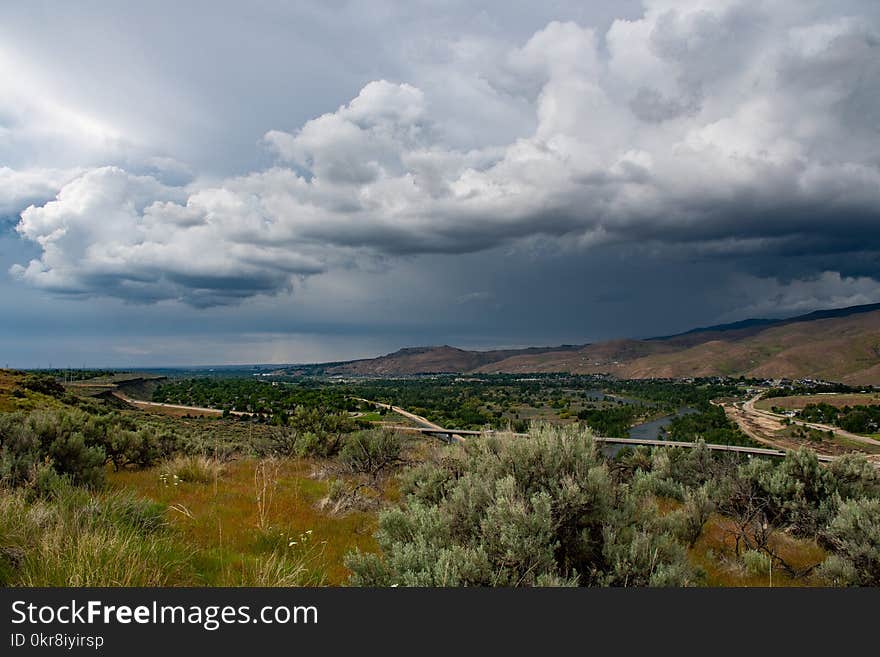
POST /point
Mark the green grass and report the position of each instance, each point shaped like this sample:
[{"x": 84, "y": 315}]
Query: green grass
[
  {"x": 220, "y": 519},
  {"x": 147, "y": 529},
  {"x": 78, "y": 539}
]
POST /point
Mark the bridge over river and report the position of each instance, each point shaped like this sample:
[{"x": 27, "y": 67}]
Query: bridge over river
[{"x": 739, "y": 449}]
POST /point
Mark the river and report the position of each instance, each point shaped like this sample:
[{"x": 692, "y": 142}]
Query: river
[
  {"x": 647, "y": 430},
  {"x": 651, "y": 430}
]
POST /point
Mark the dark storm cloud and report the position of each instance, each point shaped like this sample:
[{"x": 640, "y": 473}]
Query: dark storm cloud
[{"x": 333, "y": 149}]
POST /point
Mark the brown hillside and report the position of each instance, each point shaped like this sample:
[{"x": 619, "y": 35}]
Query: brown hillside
[
  {"x": 838, "y": 345},
  {"x": 414, "y": 360},
  {"x": 840, "y": 349},
  {"x": 603, "y": 357},
  {"x": 434, "y": 360}
]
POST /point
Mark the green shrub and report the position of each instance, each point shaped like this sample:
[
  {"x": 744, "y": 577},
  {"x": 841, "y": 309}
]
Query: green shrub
[
  {"x": 43, "y": 384},
  {"x": 20, "y": 450},
  {"x": 854, "y": 534},
  {"x": 312, "y": 432},
  {"x": 691, "y": 466},
  {"x": 630, "y": 460},
  {"x": 429, "y": 483},
  {"x": 686, "y": 523},
  {"x": 51, "y": 438},
  {"x": 756, "y": 563},
  {"x": 794, "y": 493},
  {"x": 46, "y": 482},
  {"x": 70, "y": 455},
  {"x": 371, "y": 452},
  {"x": 852, "y": 476},
  {"x": 651, "y": 483},
  {"x": 75, "y": 444},
  {"x": 641, "y": 556},
  {"x": 511, "y": 512}
]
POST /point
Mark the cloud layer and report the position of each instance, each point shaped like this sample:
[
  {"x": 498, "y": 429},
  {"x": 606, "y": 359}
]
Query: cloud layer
[{"x": 716, "y": 127}]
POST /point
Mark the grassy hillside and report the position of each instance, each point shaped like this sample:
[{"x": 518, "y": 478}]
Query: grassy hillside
[{"x": 20, "y": 391}]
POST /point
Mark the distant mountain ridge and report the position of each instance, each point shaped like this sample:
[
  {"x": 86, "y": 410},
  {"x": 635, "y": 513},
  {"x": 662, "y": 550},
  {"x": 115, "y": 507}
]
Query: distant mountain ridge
[
  {"x": 761, "y": 322},
  {"x": 841, "y": 344},
  {"x": 435, "y": 360}
]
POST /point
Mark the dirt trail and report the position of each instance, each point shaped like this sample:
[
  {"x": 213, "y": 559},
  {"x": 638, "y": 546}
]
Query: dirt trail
[
  {"x": 765, "y": 428},
  {"x": 749, "y": 407},
  {"x": 146, "y": 405}
]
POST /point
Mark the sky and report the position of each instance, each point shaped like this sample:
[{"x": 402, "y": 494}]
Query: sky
[{"x": 190, "y": 183}]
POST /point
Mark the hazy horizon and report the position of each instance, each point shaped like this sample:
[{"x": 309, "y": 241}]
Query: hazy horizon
[{"x": 134, "y": 365}]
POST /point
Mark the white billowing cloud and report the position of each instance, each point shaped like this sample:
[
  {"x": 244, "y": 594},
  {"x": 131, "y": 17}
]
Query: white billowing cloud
[
  {"x": 707, "y": 123},
  {"x": 360, "y": 141},
  {"x": 132, "y": 237},
  {"x": 19, "y": 189}
]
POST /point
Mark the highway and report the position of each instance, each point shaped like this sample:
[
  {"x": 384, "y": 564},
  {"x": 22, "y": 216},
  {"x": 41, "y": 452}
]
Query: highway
[{"x": 424, "y": 423}]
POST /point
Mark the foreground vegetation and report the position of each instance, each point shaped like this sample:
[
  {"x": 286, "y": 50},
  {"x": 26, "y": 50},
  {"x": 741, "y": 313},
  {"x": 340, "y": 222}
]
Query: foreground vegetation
[
  {"x": 269, "y": 513},
  {"x": 90, "y": 495},
  {"x": 552, "y": 511},
  {"x": 96, "y": 495}
]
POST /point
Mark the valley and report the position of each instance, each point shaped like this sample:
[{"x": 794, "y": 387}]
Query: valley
[{"x": 295, "y": 475}]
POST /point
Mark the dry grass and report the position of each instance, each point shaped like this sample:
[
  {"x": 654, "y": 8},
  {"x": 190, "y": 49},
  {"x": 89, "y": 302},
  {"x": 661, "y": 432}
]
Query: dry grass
[
  {"x": 797, "y": 402},
  {"x": 191, "y": 469},
  {"x": 266, "y": 473},
  {"x": 714, "y": 552},
  {"x": 226, "y": 526}
]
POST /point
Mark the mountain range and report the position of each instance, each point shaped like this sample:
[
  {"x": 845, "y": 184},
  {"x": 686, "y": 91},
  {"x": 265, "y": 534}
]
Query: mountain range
[{"x": 837, "y": 345}]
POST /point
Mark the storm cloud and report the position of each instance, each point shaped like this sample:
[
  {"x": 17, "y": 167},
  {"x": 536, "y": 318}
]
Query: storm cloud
[{"x": 740, "y": 133}]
